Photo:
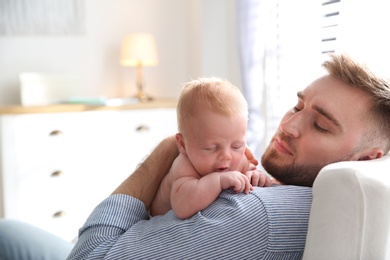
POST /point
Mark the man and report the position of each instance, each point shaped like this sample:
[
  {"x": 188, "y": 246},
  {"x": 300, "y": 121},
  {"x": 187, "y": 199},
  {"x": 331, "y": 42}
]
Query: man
[
  {"x": 343, "y": 115},
  {"x": 340, "y": 116}
]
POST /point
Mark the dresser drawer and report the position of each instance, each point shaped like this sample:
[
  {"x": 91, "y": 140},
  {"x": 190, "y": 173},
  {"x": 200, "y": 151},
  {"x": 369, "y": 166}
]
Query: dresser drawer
[
  {"x": 47, "y": 185},
  {"x": 35, "y": 139},
  {"x": 130, "y": 136},
  {"x": 55, "y": 168}
]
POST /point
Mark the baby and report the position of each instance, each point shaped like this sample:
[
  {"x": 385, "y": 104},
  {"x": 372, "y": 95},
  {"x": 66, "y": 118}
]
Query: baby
[{"x": 212, "y": 121}]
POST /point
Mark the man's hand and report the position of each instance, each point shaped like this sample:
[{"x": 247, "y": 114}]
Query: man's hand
[
  {"x": 251, "y": 158},
  {"x": 258, "y": 178},
  {"x": 236, "y": 181},
  {"x": 248, "y": 162},
  {"x": 146, "y": 179}
]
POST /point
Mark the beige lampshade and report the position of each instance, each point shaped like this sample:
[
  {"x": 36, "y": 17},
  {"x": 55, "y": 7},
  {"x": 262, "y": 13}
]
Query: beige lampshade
[{"x": 139, "y": 49}]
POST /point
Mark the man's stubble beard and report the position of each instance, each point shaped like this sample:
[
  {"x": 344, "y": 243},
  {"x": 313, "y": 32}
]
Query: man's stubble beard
[{"x": 293, "y": 174}]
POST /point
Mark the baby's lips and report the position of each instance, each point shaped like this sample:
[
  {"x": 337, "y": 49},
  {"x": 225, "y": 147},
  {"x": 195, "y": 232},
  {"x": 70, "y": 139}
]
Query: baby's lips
[{"x": 222, "y": 169}]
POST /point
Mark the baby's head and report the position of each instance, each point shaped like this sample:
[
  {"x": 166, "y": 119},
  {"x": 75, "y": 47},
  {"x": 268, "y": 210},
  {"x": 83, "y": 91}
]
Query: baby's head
[
  {"x": 207, "y": 95},
  {"x": 212, "y": 119}
]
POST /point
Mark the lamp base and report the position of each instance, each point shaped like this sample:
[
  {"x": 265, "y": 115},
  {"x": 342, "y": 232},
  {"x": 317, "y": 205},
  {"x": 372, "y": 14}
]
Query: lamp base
[{"x": 143, "y": 97}]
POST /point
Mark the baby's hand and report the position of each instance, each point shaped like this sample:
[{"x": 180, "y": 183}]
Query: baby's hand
[
  {"x": 235, "y": 180},
  {"x": 258, "y": 178}
]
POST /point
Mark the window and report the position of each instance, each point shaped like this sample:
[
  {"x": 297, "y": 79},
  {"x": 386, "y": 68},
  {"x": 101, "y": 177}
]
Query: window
[{"x": 329, "y": 26}]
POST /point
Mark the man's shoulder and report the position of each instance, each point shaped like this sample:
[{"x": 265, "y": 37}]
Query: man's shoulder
[
  {"x": 275, "y": 195},
  {"x": 280, "y": 194},
  {"x": 282, "y": 210},
  {"x": 289, "y": 201},
  {"x": 288, "y": 210}
]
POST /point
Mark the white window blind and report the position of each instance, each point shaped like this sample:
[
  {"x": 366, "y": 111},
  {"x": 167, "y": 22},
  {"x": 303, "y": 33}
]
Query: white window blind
[{"x": 329, "y": 26}]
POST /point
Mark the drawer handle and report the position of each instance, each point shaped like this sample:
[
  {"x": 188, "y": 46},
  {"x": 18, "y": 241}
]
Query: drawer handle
[
  {"x": 57, "y": 174},
  {"x": 142, "y": 128},
  {"x": 59, "y": 214},
  {"x": 55, "y": 133}
]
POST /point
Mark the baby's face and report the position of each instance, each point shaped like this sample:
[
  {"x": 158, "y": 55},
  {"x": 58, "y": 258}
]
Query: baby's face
[{"x": 215, "y": 142}]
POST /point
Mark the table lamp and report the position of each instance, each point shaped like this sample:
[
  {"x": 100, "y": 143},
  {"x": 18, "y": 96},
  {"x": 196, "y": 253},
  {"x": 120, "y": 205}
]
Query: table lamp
[{"x": 138, "y": 50}]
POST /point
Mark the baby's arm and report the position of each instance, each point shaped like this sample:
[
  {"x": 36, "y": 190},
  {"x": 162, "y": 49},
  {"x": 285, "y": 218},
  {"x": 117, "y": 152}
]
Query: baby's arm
[{"x": 192, "y": 192}]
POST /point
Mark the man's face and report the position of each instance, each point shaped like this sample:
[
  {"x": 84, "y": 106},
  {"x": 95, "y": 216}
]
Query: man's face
[{"x": 324, "y": 127}]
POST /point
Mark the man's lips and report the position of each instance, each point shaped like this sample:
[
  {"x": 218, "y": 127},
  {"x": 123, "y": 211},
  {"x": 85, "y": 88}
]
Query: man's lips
[{"x": 281, "y": 147}]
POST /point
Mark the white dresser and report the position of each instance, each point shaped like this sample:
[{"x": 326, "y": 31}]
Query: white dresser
[{"x": 57, "y": 163}]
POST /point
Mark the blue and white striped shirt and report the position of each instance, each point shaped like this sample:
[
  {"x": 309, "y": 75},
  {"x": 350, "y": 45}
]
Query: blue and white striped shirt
[{"x": 268, "y": 223}]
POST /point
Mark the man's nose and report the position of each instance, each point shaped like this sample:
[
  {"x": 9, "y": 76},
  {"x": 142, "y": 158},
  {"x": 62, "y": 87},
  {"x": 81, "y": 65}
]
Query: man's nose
[{"x": 292, "y": 126}]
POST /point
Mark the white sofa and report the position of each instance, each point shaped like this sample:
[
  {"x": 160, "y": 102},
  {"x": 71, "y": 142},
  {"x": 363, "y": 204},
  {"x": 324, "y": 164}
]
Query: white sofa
[{"x": 350, "y": 214}]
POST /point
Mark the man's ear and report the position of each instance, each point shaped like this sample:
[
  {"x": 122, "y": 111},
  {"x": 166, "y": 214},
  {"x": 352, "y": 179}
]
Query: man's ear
[
  {"x": 370, "y": 154},
  {"x": 180, "y": 143}
]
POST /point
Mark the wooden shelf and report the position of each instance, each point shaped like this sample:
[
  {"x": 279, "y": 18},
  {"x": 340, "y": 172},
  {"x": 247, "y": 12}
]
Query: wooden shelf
[{"x": 59, "y": 108}]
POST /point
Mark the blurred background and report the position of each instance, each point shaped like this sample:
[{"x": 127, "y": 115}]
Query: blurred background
[
  {"x": 270, "y": 48},
  {"x": 97, "y": 51}
]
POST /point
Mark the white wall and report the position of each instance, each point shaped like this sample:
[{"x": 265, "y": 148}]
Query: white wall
[{"x": 194, "y": 38}]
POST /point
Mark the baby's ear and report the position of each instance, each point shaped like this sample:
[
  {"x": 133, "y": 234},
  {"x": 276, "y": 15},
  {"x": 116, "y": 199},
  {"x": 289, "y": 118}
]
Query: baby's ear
[{"x": 180, "y": 143}]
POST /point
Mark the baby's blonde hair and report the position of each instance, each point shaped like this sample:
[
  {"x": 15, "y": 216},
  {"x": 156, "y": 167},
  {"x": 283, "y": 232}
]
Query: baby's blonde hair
[{"x": 209, "y": 95}]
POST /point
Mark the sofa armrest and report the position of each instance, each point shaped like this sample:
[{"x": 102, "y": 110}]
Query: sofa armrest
[{"x": 350, "y": 213}]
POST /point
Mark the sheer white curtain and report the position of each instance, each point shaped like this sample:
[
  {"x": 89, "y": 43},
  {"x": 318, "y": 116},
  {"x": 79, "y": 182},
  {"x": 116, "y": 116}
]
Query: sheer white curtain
[{"x": 280, "y": 54}]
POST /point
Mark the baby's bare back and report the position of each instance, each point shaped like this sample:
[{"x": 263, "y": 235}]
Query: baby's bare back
[{"x": 162, "y": 201}]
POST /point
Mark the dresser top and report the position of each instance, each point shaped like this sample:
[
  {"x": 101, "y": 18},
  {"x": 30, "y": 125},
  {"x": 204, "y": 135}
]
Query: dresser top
[{"x": 59, "y": 108}]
